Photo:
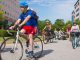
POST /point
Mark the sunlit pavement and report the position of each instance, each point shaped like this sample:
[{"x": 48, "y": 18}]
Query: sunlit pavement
[{"x": 58, "y": 50}]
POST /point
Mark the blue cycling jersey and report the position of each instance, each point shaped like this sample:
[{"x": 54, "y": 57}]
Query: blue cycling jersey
[{"x": 32, "y": 21}]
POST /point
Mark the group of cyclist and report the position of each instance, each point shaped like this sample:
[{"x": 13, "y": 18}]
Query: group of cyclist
[
  {"x": 69, "y": 30},
  {"x": 74, "y": 28}
]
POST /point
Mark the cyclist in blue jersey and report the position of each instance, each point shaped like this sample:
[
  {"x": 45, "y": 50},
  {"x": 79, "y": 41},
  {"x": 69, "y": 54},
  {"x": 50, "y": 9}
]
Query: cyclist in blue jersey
[{"x": 28, "y": 24}]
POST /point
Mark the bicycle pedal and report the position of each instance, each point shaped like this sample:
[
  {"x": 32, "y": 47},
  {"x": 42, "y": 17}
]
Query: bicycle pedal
[
  {"x": 13, "y": 41},
  {"x": 12, "y": 51}
]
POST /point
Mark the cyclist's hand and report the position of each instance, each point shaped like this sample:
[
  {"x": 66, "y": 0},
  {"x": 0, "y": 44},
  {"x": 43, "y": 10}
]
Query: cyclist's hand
[
  {"x": 20, "y": 26},
  {"x": 12, "y": 27}
]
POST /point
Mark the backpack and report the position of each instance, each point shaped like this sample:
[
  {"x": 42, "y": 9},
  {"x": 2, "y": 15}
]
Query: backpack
[{"x": 36, "y": 17}]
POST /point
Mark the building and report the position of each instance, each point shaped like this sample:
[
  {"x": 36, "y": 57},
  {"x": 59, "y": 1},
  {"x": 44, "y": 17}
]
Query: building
[
  {"x": 11, "y": 9},
  {"x": 73, "y": 16},
  {"x": 76, "y": 12}
]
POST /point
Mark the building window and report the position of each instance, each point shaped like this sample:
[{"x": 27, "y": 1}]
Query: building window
[
  {"x": 78, "y": 3},
  {"x": 77, "y": 15},
  {"x": 77, "y": 10},
  {"x": 75, "y": 7},
  {"x": 74, "y": 16}
]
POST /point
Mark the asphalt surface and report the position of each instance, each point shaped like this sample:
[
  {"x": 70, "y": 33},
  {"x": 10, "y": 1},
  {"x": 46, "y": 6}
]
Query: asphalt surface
[{"x": 58, "y": 50}]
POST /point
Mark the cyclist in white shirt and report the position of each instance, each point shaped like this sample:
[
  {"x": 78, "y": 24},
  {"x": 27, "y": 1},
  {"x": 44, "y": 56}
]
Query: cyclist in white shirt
[{"x": 75, "y": 28}]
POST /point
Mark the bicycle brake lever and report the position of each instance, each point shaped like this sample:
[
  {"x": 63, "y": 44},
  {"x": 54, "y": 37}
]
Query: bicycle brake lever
[{"x": 9, "y": 32}]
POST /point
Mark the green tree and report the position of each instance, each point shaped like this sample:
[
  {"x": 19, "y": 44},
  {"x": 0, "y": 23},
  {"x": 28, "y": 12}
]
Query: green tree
[
  {"x": 1, "y": 17},
  {"x": 77, "y": 21},
  {"x": 41, "y": 24},
  {"x": 59, "y": 23},
  {"x": 1, "y": 14},
  {"x": 66, "y": 24}
]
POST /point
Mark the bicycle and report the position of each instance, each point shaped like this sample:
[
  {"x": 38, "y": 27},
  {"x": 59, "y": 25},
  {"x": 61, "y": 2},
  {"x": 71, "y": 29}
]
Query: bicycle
[
  {"x": 14, "y": 47},
  {"x": 49, "y": 36},
  {"x": 75, "y": 39}
]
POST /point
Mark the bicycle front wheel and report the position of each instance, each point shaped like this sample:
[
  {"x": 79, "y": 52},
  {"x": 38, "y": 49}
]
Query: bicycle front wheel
[
  {"x": 11, "y": 51},
  {"x": 4, "y": 43},
  {"x": 37, "y": 47}
]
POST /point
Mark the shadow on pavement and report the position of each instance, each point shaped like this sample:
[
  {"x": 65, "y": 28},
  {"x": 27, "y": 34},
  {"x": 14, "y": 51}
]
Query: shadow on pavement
[
  {"x": 45, "y": 52},
  {"x": 6, "y": 50},
  {"x": 55, "y": 41}
]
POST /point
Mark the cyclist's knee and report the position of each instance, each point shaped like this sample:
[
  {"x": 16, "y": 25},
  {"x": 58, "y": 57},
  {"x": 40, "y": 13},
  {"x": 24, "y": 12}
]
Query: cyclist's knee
[
  {"x": 30, "y": 36},
  {"x": 22, "y": 31}
]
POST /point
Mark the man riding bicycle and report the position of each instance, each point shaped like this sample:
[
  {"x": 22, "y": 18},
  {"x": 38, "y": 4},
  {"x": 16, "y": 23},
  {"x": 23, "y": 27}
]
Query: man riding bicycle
[
  {"x": 28, "y": 23},
  {"x": 48, "y": 26},
  {"x": 75, "y": 35},
  {"x": 47, "y": 30}
]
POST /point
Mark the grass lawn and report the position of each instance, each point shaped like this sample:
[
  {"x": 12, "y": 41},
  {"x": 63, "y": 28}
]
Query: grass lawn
[
  {"x": 1, "y": 39},
  {"x": 21, "y": 39}
]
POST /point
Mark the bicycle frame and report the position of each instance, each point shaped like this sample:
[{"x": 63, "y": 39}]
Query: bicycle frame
[{"x": 16, "y": 40}]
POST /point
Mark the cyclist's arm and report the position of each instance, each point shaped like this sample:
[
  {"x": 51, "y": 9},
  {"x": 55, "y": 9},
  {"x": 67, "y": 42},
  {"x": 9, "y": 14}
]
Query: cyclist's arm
[
  {"x": 30, "y": 14},
  {"x": 50, "y": 26},
  {"x": 71, "y": 28},
  {"x": 17, "y": 22},
  {"x": 67, "y": 30},
  {"x": 78, "y": 27},
  {"x": 25, "y": 20},
  {"x": 44, "y": 28}
]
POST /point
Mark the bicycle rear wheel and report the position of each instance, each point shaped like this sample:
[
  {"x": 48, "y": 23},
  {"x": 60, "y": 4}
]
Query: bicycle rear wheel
[
  {"x": 8, "y": 53},
  {"x": 37, "y": 47}
]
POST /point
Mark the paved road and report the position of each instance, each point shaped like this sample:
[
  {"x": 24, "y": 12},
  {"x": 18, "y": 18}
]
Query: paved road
[{"x": 59, "y": 50}]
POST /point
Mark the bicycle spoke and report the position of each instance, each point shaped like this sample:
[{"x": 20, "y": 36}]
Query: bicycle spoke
[
  {"x": 10, "y": 53},
  {"x": 38, "y": 47}
]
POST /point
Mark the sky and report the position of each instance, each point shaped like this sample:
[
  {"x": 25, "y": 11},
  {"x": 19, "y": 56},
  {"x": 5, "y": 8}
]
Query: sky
[{"x": 53, "y": 9}]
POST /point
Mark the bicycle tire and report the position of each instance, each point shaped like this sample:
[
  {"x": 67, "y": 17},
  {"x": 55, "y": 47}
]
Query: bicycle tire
[
  {"x": 4, "y": 44},
  {"x": 1, "y": 51},
  {"x": 74, "y": 43},
  {"x": 37, "y": 54}
]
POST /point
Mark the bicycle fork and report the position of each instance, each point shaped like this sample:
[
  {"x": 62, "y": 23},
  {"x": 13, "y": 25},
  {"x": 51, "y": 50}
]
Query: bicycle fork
[{"x": 16, "y": 41}]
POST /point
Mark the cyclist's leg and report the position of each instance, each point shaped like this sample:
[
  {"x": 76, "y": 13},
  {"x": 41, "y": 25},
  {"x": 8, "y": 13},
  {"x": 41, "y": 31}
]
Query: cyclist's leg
[
  {"x": 27, "y": 42},
  {"x": 31, "y": 34},
  {"x": 30, "y": 42},
  {"x": 22, "y": 31}
]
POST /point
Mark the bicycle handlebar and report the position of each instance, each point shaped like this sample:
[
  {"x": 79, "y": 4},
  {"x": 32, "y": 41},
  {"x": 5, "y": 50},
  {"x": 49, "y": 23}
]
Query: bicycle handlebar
[
  {"x": 9, "y": 32},
  {"x": 16, "y": 28}
]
